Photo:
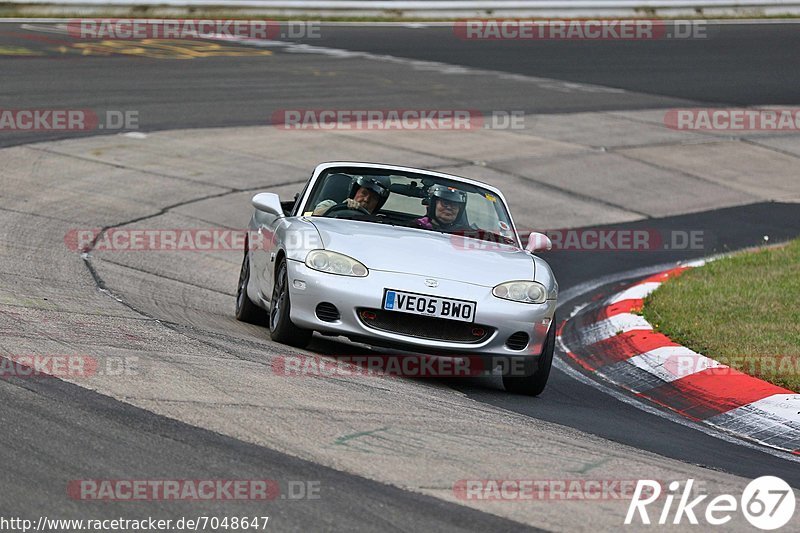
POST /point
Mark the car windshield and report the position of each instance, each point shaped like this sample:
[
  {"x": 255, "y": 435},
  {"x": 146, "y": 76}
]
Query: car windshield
[{"x": 485, "y": 216}]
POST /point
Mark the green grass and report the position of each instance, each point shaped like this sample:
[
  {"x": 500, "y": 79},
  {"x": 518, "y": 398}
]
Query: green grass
[{"x": 743, "y": 310}]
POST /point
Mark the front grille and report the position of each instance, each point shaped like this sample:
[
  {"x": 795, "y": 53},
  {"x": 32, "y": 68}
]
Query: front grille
[
  {"x": 518, "y": 341},
  {"x": 424, "y": 327},
  {"x": 327, "y": 312}
]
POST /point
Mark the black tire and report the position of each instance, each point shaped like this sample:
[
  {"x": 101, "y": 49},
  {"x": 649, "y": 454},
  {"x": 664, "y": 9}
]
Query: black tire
[
  {"x": 246, "y": 310},
  {"x": 534, "y": 384},
  {"x": 281, "y": 328}
]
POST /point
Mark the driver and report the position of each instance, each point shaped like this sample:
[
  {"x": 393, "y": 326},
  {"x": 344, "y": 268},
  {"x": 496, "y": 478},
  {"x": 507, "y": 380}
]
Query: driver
[
  {"x": 446, "y": 209},
  {"x": 366, "y": 192}
]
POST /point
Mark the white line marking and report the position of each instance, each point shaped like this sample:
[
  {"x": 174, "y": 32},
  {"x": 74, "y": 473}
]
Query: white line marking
[
  {"x": 420, "y": 65},
  {"x": 588, "y": 286},
  {"x": 561, "y": 364},
  {"x": 673, "y": 362},
  {"x": 610, "y": 327},
  {"x": 672, "y": 417},
  {"x": 637, "y": 292},
  {"x": 785, "y": 406}
]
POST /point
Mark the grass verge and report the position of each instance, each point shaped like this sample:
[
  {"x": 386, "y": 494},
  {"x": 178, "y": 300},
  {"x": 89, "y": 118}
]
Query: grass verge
[{"x": 742, "y": 310}]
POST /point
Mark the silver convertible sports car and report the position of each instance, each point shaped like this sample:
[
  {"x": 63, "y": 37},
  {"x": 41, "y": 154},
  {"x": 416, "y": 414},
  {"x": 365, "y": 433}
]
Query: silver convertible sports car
[{"x": 401, "y": 258}]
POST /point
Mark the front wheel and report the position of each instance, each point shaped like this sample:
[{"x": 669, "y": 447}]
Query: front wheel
[
  {"x": 533, "y": 384},
  {"x": 246, "y": 310},
  {"x": 281, "y": 327}
]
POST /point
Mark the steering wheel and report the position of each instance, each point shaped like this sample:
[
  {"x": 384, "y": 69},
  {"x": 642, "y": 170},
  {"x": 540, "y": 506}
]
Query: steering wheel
[{"x": 340, "y": 208}]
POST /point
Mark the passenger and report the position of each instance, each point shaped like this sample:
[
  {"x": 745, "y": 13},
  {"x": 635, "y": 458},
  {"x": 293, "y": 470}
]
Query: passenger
[{"x": 446, "y": 209}]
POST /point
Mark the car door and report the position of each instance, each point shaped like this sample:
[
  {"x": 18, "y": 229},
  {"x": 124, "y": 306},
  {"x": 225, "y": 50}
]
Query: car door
[
  {"x": 262, "y": 249},
  {"x": 265, "y": 240}
]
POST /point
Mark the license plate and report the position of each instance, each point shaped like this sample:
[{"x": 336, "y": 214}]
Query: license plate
[{"x": 423, "y": 304}]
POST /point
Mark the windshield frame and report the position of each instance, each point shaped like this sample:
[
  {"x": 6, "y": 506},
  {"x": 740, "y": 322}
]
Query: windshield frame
[{"x": 358, "y": 168}]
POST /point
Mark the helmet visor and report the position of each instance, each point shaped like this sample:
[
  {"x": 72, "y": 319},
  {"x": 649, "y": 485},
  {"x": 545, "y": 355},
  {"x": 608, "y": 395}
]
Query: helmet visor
[
  {"x": 373, "y": 185},
  {"x": 450, "y": 194}
]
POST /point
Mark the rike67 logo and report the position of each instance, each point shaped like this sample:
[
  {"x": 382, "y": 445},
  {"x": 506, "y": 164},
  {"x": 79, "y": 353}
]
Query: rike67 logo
[{"x": 767, "y": 502}]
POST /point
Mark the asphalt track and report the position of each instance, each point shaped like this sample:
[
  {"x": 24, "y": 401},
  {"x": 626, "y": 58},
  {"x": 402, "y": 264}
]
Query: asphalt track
[
  {"x": 727, "y": 68},
  {"x": 593, "y": 410},
  {"x": 44, "y": 444},
  {"x": 47, "y": 443}
]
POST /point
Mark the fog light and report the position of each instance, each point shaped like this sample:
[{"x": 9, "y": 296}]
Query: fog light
[{"x": 368, "y": 315}]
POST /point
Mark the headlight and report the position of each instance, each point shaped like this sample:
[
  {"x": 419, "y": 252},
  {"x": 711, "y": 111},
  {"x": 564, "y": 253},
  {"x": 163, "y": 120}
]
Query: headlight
[
  {"x": 528, "y": 292},
  {"x": 335, "y": 263}
]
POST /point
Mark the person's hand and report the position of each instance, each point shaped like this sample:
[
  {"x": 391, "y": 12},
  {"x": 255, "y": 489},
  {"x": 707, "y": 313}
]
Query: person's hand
[
  {"x": 322, "y": 207},
  {"x": 352, "y": 204}
]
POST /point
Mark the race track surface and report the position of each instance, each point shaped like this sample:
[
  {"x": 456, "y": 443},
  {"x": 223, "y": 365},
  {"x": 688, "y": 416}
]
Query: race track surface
[{"x": 204, "y": 401}]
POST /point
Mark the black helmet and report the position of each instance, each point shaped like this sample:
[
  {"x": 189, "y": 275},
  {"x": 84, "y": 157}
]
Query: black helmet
[
  {"x": 376, "y": 184},
  {"x": 450, "y": 194}
]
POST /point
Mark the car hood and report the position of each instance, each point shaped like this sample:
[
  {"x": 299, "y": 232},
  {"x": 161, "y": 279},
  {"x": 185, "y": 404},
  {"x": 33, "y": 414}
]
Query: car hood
[{"x": 424, "y": 252}]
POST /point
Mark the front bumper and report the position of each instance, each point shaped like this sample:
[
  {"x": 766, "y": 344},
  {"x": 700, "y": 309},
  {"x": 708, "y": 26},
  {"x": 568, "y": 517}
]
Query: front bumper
[{"x": 349, "y": 294}]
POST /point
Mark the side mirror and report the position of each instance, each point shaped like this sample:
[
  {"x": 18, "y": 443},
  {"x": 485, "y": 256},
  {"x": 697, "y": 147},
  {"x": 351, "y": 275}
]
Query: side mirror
[
  {"x": 268, "y": 202},
  {"x": 538, "y": 242}
]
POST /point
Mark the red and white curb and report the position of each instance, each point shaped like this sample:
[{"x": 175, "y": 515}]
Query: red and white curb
[{"x": 608, "y": 339}]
